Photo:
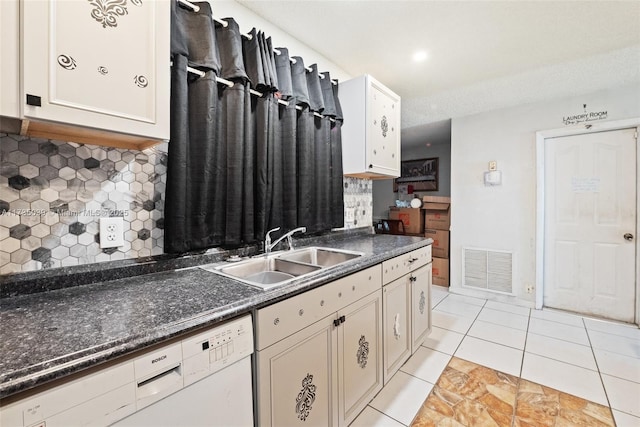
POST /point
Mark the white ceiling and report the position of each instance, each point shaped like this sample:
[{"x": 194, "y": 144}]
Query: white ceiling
[{"x": 482, "y": 55}]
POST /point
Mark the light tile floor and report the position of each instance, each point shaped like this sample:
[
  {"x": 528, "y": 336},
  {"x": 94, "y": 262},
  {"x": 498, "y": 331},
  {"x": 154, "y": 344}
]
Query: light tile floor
[{"x": 589, "y": 358}]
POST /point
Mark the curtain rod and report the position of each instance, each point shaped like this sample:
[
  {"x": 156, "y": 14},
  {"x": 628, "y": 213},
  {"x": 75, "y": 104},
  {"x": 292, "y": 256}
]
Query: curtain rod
[
  {"x": 201, "y": 73},
  {"x": 253, "y": 92},
  {"x": 196, "y": 8}
]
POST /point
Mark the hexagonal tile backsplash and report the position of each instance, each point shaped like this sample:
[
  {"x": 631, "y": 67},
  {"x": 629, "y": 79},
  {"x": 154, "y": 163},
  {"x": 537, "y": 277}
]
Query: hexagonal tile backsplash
[{"x": 52, "y": 194}]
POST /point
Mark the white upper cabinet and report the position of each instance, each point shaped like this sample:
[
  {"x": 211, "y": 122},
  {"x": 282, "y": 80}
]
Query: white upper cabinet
[
  {"x": 100, "y": 64},
  {"x": 10, "y": 54},
  {"x": 371, "y": 130}
]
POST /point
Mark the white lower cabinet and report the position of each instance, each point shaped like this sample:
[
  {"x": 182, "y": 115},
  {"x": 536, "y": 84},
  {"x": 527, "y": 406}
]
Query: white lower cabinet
[
  {"x": 406, "y": 307},
  {"x": 420, "y": 306},
  {"x": 297, "y": 378},
  {"x": 359, "y": 356},
  {"x": 327, "y": 372},
  {"x": 397, "y": 325}
]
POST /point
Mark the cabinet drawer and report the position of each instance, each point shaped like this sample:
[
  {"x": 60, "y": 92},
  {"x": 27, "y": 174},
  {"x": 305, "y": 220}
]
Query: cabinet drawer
[
  {"x": 403, "y": 264},
  {"x": 282, "y": 319}
]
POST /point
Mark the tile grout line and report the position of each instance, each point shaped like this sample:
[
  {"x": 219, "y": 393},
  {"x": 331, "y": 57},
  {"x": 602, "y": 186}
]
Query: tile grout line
[
  {"x": 519, "y": 380},
  {"x": 388, "y": 416},
  {"x": 595, "y": 359}
]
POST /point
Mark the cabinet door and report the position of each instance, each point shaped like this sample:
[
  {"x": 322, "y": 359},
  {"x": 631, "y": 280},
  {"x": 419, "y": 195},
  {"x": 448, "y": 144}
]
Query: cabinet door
[
  {"x": 10, "y": 54},
  {"x": 297, "y": 378},
  {"x": 98, "y": 63},
  {"x": 383, "y": 131},
  {"x": 396, "y": 318},
  {"x": 420, "y": 306},
  {"x": 359, "y": 356}
]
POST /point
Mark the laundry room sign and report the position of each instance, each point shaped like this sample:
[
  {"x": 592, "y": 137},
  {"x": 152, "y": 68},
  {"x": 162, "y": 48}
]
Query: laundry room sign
[{"x": 586, "y": 116}]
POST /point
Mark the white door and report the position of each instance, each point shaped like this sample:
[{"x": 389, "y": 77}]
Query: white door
[{"x": 590, "y": 223}]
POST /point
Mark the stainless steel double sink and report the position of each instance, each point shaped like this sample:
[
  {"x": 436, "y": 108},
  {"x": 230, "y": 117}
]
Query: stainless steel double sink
[{"x": 277, "y": 269}]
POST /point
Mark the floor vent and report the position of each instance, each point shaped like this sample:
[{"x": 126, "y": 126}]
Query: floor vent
[{"x": 488, "y": 270}]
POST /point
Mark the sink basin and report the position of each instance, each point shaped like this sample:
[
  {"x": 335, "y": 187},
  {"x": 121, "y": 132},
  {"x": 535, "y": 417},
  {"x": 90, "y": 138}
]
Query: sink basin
[
  {"x": 324, "y": 257},
  {"x": 281, "y": 268},
  {"x": 264, "y": 272}
]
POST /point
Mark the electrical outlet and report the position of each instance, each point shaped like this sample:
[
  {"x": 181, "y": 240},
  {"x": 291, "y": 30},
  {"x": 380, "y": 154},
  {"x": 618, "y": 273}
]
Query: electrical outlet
[
  {"x": 111, "y": 232},
  {"x": 529, "y": 289}
]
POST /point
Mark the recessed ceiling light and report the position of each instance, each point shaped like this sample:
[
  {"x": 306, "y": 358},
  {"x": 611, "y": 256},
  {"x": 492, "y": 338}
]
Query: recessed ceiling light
[{"x": 420, "y": 56}]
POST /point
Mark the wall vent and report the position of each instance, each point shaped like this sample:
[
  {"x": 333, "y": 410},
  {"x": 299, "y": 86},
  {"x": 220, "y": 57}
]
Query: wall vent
[{"x": 487, "y": 270}]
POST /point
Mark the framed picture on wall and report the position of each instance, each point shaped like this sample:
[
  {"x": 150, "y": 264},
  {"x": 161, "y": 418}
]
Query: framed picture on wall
[{"x": 421, "y": 174}]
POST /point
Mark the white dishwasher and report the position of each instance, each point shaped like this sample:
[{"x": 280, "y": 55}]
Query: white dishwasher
[{"x": 202, "y": 380}]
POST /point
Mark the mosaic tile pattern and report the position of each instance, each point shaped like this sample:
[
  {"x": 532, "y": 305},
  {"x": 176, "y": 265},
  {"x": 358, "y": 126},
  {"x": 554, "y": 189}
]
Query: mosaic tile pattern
[
  {"x": 358, "y": 202},
  {"x": 52, "y": 194},
  {"x": 468, "y": 394}
]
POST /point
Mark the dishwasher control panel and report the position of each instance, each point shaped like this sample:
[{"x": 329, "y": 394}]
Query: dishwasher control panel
[
  {"x": 108, "y": 395},
  {"x": 212, "y": 350}
]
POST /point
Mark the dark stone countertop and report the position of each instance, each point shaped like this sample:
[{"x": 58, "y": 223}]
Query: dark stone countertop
[{"x": 48, "y": 335}]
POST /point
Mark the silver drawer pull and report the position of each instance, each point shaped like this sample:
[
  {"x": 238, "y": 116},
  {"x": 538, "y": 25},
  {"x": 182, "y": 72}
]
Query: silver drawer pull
[
  {"x": 276, "y": 321},
  {"x": 300, "y": 312}
]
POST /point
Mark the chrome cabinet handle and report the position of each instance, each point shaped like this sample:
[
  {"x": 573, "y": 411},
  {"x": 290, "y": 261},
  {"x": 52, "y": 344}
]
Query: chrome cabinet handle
[{"x": 628, "y": 236}]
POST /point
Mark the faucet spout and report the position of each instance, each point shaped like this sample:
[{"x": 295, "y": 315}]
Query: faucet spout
[{"x": 268, "y": 245}]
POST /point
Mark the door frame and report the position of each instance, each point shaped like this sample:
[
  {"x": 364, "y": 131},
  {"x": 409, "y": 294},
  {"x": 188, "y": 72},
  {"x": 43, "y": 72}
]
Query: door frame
[{"x": 581, "y": 129}]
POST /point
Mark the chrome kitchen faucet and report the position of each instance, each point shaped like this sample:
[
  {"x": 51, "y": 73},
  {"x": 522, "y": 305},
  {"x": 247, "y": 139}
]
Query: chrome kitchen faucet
[{"x": 267, "y": 239}]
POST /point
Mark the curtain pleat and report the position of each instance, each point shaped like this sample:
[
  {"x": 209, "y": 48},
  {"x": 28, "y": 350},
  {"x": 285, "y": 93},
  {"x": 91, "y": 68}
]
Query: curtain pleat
[
  {"x": 322, "y": 175},
  {"x": 234, "y": 130},
  {"x": 248, "y": 194},
  {"x": 283, "y": 71},
  {"x": 333, "y": 109},
  {"x": 274, "y": 167},
  {"x": 176, "y": 202},
  {"x": 233, "y": 138},
  {"x": 261, "y": 170},
  {"x": 272, "y": 64},
  {"x": 253, "y": 60},
  {"x": 288, "y": 122},
  {"x": 206, "y": 166},
  {"x": 337, "y": 186},
  {"x": 265, "y": 58},
  {"x": 315, "y": 91},
  {"x": 299, "y": 81},
  {"x": 193, "y": 36},
  {"x": 241, "y": 164},
  {"x": 306, "y": 169}
]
